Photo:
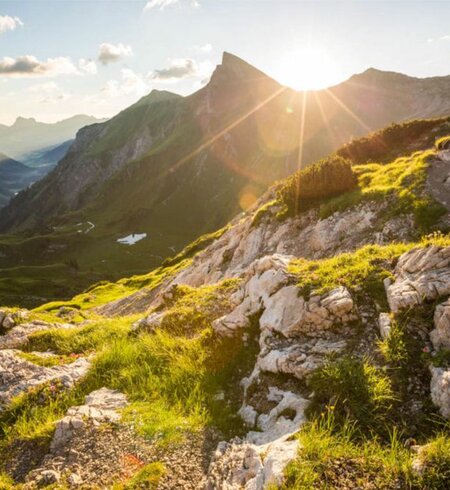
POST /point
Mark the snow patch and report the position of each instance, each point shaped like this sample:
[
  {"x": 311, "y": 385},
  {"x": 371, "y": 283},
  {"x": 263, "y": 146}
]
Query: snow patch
[{"x": 132, "y": 239}]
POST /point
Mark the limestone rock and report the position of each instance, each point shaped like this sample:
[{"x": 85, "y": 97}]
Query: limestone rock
[
  {"x": 17, "y": 336},
  {"x": 259, "y": 460},
  {"x": 289, "y": 314},
  {"x": 384, "y": 323},
  {"x": 100, "y": 406},
  {"x": 300, "y": 359},
  {"x": 18, "y": 375},
  {"x": 440, "y": 336},
  {"x": 440, "y": 390},
  {"x": 422, "y": 274}
]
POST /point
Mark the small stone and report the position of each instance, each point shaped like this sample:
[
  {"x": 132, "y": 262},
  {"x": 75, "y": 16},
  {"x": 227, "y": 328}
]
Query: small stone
[
  {"x": 49, "y": 476},
  {"x": 74, "y": 479}
]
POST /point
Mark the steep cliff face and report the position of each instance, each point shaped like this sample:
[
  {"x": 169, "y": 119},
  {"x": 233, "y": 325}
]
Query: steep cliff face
[{"x": 278, "y": 351}]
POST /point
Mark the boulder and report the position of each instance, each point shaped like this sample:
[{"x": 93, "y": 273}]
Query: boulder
[
  {"x": 289, "y": 314},
  {"x": 440, "y": 390},
  {"x": 18, "y": 375},
  {"x": 440, "y": 336},
  {"x": 422, "y": 274}
]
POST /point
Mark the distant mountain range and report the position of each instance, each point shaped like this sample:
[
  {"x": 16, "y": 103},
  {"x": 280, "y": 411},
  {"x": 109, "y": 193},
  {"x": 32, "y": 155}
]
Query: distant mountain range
[
  {"x": 27, "y": 135},
  {"x": 37, "y": 146},
  {"x": 173, "y": 167}
]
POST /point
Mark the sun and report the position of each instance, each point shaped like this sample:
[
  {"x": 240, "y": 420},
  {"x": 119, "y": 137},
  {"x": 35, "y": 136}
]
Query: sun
[{"x": 308, "y": 68}]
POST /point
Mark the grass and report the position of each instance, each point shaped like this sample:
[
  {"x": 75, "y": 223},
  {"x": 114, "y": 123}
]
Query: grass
[
  {"x": 403, "y": 180},
  {"x": 329, "y": 457},
  {"x": 83, "y": 339},
  {"x": 363, "y": 269},
  {"x": 106, "y": 292},
  {"x": 196, "y": 246},
  {"x": 46, "y": 361},
  {"x": 434, "y": 459},
  {"x": 171, "y": 376},
  {"x": 393, "y": 347},
  {"x": 147, "y": 477},
  {"x": 354, "y": 389}
]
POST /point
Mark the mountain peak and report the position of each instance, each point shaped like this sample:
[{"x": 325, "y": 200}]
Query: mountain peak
[
  {"x": 24, "y": 121},
  {"x": 381, "y": 75},
  {"x": 235, "y": 69}
]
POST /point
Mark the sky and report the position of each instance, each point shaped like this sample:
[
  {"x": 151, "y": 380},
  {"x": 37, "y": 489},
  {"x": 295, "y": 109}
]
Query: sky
[{"x": 64, "y": 57}]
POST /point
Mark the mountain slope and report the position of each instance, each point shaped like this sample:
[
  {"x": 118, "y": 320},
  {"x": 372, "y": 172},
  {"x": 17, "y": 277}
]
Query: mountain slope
[
  {"x": 298, "y": 345},
  {"x": 28, "y": 135},
  {"x": 171, "y": 168}
]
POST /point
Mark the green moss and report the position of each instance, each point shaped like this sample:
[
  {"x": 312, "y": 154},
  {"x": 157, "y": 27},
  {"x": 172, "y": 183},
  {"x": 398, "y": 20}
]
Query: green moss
[{"x": 7, "y": 483}]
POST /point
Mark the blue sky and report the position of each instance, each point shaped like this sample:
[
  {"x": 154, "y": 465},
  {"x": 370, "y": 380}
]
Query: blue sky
[{"x": 62, "y": 57}]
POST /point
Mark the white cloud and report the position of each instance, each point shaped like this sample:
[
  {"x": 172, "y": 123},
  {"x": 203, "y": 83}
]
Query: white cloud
[
  {"x": 180, "y": 69},
  {"x": 130, "y": 84},
  {"x": 30, "y": 66},
  {"x": 161, "y": 4},
  {"x": 49, "y": 93},
  {"x": 176, "y": 69},
  {"x": 206, "y": 48},
  {"x": 442, "y": 38},
  {"x": 111, "y": 53},
  {"x": 87, "y": 66},
  {"x": 8, "y": 23}
]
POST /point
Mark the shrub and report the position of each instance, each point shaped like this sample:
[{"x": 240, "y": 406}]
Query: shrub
[
  {"x": 394, "y": 141},
  {"x": 326, "y": 178}
]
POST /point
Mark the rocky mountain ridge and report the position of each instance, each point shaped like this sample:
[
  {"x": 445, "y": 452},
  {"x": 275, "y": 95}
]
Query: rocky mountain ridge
[{"x": 188, "y": 165}]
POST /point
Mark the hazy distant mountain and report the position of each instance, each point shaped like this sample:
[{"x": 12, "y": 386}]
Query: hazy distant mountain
[
  {"x": 14, "y": 176},
  {"x": 175, "y": 167},
  {"x": 28, "y": 135}
]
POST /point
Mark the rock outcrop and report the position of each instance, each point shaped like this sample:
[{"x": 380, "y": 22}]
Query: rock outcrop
[
  {"x": 422, "y": 274},
  {"x": 18, "y": 375}
]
